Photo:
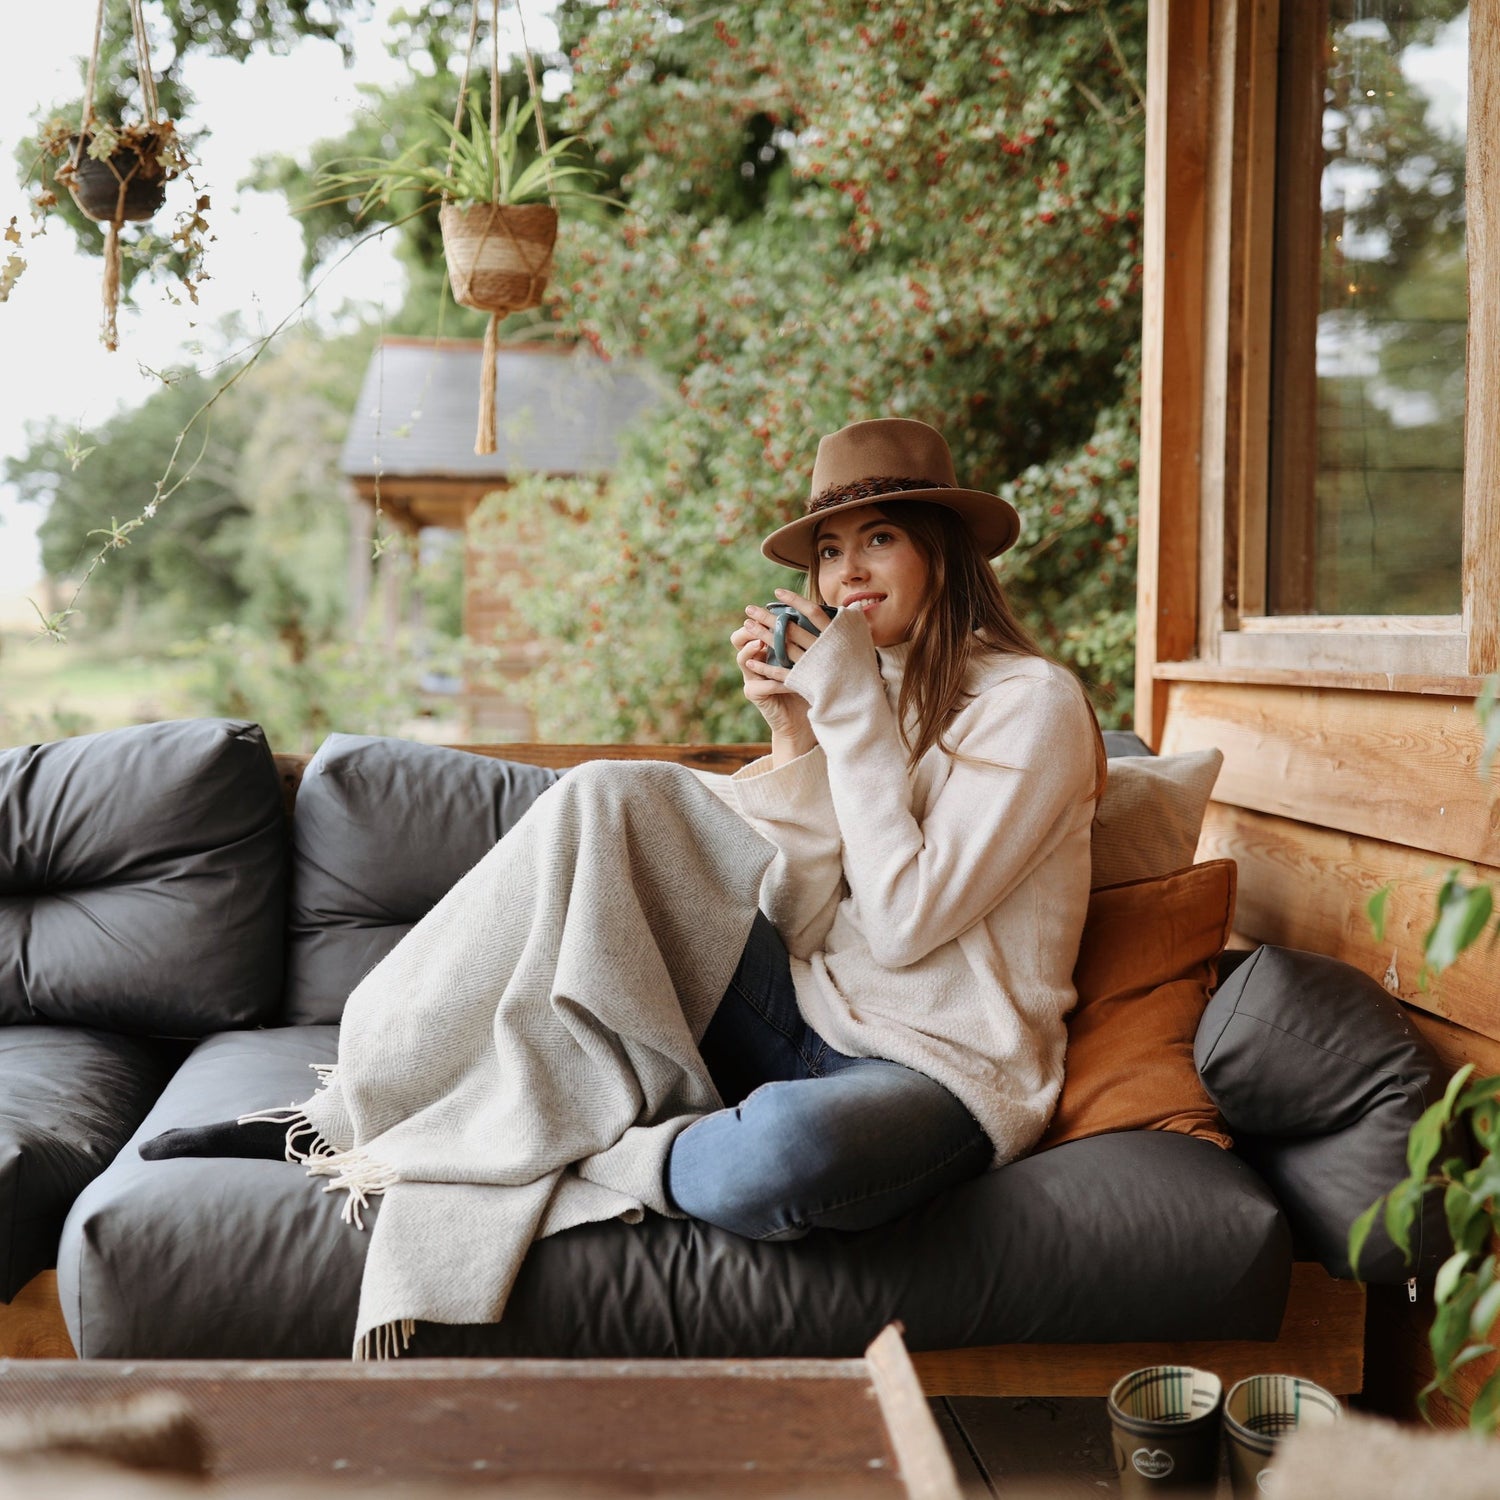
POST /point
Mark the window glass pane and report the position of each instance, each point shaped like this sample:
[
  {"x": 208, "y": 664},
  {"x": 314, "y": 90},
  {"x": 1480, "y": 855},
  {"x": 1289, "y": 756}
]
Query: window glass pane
[{"x": 1368, "y": 406}]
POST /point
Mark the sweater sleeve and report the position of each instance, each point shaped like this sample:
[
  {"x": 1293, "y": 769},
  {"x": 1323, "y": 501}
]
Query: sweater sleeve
[
  {"x": 1024, "y": 758},
  {"x": 793, "y": 808}
]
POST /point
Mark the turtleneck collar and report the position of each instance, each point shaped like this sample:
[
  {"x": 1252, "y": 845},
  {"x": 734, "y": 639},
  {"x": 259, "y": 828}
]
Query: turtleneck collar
[{"x": 893, "y": 660}]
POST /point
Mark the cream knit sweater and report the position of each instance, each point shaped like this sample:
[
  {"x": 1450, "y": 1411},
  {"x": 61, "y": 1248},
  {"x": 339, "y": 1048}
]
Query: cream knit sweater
[{"x": 933, "y": 917}]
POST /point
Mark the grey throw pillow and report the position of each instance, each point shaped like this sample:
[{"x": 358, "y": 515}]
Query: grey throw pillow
[{"x": 1149, "y": 817}]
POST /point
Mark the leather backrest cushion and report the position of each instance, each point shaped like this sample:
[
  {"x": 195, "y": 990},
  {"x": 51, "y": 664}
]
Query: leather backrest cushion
[
  {"x": 382, "y": 829},
  {"x": 69, "y": 1100},
  {"x": 1320, "y": 1074},
  {"x": 1121, "y": 743},
  {"x": 143, "y": 879}
]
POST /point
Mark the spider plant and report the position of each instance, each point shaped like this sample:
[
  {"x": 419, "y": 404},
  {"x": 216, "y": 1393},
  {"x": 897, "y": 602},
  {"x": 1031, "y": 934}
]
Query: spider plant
[{"x": 469, "y": 167}]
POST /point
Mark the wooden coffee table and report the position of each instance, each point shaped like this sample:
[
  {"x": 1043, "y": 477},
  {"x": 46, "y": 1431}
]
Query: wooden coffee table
[{"x": 824, "y": 1428}]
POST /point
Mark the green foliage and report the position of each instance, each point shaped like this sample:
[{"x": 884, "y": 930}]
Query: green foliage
[
  {"x": 471, "y": 167},
  {"x": 241, "y": 574},
  {"x": 1489, "y": 715},
  {"x": 249, "y": 532},
  {"x": 411, "y": 117},
  {"x": 840, "y": 213},
  {"x": 836, "y": 213},
  {"x": 1466, "y": 1293},
  {"x": 186, "y": 572},
  {"x": 300, "y": 691},
  {"x": 1463, "y": 910},
  {"x": 1392, "y": 332}
]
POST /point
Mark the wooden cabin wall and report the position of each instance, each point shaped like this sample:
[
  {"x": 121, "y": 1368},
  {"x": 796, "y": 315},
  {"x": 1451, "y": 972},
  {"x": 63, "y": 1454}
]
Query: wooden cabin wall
[
  {"x": 1326, "y": 796},
  {"x": 1336, "y": 783}
]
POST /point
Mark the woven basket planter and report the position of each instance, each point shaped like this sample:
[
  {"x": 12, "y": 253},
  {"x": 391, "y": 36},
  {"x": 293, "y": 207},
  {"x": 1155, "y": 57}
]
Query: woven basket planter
[
  {"x": 499, "y": 257},
  {"x": 129, "y": 184}
]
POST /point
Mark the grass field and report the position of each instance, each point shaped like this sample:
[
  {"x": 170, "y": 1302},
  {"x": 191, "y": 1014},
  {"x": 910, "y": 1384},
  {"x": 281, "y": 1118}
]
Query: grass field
[{"x": 48, "y": 691}]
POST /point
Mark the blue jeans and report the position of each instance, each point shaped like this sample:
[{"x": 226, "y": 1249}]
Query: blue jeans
[{"x": 810, "y": 1138}]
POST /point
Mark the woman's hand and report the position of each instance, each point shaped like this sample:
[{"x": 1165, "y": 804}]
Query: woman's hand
[{"x": 782, "y": 706}]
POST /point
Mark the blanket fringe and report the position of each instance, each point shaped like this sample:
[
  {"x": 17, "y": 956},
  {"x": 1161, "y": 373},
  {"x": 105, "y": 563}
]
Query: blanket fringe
[
  {"x": 388, "y": 1341},
  {"x": 297, "y": 1125},
  {"x": 355, "y": 1173}
]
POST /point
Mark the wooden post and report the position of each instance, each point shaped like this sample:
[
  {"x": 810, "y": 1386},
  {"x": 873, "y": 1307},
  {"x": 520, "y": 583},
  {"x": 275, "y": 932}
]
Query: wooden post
[
  {"x": 1292, "y": 540},
  {"x": 1177, "y": 117},
  {"x": 1481, "y": 569},
  {"x": 926, "y": 1469}
]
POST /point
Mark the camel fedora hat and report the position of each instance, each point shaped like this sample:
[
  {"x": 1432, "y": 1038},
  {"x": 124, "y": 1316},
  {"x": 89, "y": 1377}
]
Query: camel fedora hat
[{"x": 895, "y": 458}]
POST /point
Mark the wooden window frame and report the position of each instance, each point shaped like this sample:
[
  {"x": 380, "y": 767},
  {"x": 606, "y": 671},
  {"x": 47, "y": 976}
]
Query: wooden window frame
[{"x": 1211, "y": 187}]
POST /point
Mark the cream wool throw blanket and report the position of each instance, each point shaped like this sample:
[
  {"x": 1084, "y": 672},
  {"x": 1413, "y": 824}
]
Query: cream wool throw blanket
[{"x": 523, "y": 1059}]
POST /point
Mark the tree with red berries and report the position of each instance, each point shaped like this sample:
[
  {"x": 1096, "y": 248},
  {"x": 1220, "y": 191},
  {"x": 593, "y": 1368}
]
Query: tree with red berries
[
  {"x": 841, "y": 211},
  {"x": 838, "y": 211}
]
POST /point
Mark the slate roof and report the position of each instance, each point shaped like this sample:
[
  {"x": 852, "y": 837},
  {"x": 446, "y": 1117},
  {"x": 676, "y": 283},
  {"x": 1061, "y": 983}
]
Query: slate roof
[{"x": 557, "y": 411}]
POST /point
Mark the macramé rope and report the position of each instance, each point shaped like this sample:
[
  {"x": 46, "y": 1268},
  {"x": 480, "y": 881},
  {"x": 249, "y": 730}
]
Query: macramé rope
[
  {"x": 150, "y": 112},
  {"x": 484, "y": 438}
]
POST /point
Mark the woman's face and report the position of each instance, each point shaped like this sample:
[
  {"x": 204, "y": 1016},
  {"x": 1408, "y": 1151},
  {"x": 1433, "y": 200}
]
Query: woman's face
[{"x": 868, "y": 563}]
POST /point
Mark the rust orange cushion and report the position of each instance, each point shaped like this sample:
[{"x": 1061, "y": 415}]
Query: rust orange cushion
[{"x": 1144, "y": 970}]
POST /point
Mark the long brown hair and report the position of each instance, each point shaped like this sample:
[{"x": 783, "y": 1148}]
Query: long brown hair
[{"x": 965, "y": 612}]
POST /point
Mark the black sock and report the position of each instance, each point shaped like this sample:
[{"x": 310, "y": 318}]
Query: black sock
[{"x": 263, "y": 1140}]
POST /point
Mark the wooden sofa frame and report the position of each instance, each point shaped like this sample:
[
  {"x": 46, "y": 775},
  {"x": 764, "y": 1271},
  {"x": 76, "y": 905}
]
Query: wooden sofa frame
[{"x": 1322, "y": 1331}]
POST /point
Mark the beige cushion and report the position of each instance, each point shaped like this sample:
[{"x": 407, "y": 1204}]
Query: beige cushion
[{"x": 1148, "y": 819}]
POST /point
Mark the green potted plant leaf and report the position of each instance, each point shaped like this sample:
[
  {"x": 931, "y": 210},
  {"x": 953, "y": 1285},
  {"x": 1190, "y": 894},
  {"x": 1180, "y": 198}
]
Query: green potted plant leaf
[
  {"x": 1466, "y": 1121},
  {"x": 1466, "y": 1294}
]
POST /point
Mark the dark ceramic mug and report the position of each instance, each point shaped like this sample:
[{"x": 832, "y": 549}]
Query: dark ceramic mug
[
  {"x": 1164, "y": 1422},
  {"x": 787, "y": 614}
]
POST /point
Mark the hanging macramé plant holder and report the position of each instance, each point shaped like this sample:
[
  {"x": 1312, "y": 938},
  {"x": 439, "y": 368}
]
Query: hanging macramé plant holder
[
  {"x": 499, "y": 254},
  {"x": 130, "y": 183}
]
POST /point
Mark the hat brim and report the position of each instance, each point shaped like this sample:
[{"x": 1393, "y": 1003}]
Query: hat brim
[{"x": 995, "y": 523}]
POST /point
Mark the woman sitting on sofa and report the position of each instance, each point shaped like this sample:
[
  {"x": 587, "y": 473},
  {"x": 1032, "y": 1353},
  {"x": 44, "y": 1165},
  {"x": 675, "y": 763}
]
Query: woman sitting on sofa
[
  {"x": 895, "y": 1024},
  {"x": 896, "y": 1021}
]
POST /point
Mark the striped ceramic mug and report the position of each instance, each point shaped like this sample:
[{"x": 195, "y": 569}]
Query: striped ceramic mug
[
  {"x": 1164, "y": 1423},
  {"x": 1262, "y": 1409}
]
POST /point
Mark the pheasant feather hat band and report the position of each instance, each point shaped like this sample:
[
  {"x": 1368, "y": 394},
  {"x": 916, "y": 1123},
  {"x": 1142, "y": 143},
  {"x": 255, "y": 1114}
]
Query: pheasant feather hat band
[{"x": 889, "y": 458}]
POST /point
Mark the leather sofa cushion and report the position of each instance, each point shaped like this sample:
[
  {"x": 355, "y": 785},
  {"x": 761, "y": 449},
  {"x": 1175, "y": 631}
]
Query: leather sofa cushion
[
  {"x": 1120, "y": 743},
  {"x": 382, "y": 829},
  {"x": 1130, "y": 1236},
  {"x": 142, "y": 880},
  {"x": 69, "y": 1099},
  {"x": 1320, "y": 1074}
]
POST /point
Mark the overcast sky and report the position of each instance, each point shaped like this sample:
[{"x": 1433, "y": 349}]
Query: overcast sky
[{"x": 53, "y": 363}]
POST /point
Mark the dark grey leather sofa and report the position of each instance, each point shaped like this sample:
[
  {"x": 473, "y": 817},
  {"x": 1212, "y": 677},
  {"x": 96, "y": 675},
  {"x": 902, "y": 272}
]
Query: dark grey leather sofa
[{"x": 171, "y": 953}]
